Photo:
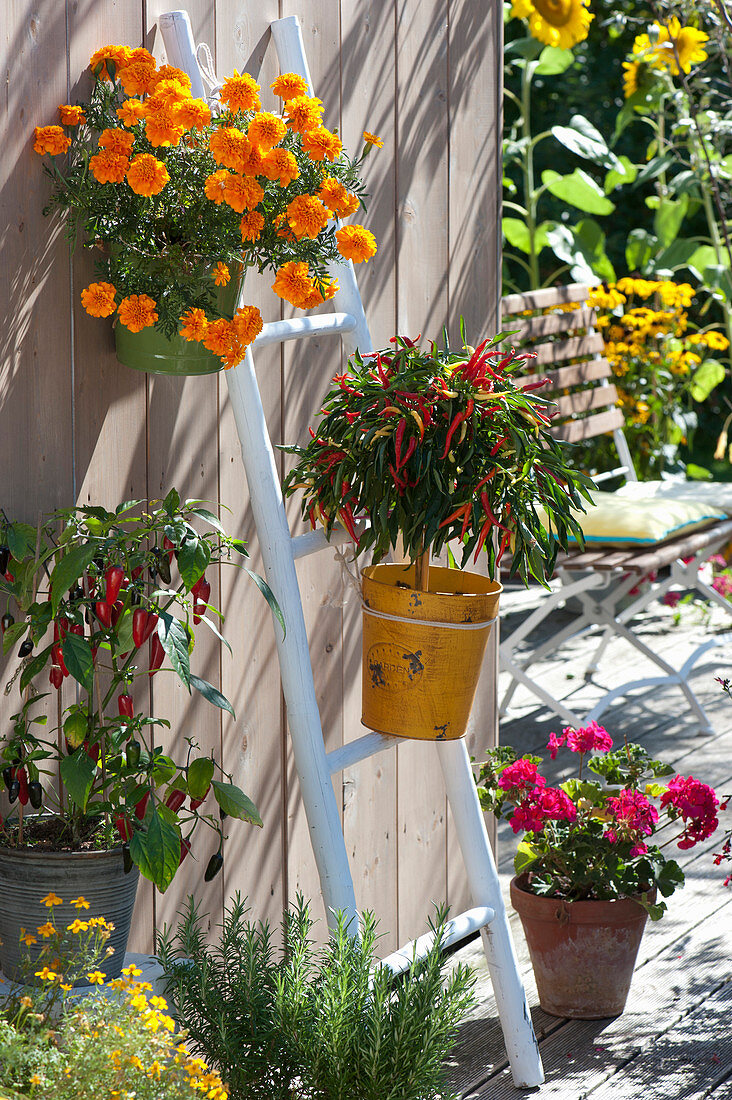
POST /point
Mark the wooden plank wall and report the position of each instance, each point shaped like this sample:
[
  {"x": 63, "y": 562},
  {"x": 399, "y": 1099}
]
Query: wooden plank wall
[{"x": 74, "y": 424}]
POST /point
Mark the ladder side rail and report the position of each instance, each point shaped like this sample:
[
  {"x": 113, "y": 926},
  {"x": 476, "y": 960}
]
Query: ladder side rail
[{"x": 275, "y": 540}]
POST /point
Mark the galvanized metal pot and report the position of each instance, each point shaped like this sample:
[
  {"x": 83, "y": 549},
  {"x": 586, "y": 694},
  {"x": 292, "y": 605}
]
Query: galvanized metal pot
[
  {"x": 27, "y": 875},
  {"x": 583, "y": 952}
]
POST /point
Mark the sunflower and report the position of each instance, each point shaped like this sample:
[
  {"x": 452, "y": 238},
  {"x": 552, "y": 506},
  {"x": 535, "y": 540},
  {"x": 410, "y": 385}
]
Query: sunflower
[{"x": 561, "y": 23}]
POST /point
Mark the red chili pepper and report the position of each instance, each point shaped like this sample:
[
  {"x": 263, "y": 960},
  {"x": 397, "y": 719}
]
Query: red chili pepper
[
  {"x": 175, "y": 799},
  {"x": 346, "y": 515},
  {"x": 157, "y": 654},
  {"x": 58, "y": 658},
  {"x": 456, "y": 514},
  {"x": 77, "y": 629},
  {"x": 117, "y": 609},
  {"x": 456, "y": 424},
  {"x": 398, "y": 481},
  {"x": 22, "y": 777},
  {"x": 185, "y": 847},
  {"x": 488, "y": 511},
  {"x": 103, "y": 612},
  {"x": 92, "y": 751},
  {"x": 137, "y": 572},
  {"x": 199, "y": 603},
  {"x": 483, "y": 480},
  {"x": 59, "y": 629},
  {"x": 170, "y": 547},
  {"x": 398, "y": 442},
  {"x": 143, "y": 624},
  {"x": 56, "y": 676},
  {"x": 113, "y": 577},
  {"x": 481, "y": 539},
  {"x": 497, "y": 446},
  {"x": 141, "y": 806},
  {"x": 411, "y": 447},
  {"x": 123, "y": 826},
  {"x": 501, "y": 549},
  {"x": 196, "y": 802},
  {"x": 126, "y": 705}
]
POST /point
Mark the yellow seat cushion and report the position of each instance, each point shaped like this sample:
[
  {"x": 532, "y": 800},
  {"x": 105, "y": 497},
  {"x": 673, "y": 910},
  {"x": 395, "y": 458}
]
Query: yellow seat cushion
[{"x": 617, "y": 520}]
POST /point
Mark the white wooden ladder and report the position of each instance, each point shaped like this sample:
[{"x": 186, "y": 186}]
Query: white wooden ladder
[{"x": 279, "y": 551}]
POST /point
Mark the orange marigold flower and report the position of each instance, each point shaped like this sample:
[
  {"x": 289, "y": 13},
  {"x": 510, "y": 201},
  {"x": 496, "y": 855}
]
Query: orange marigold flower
[
  {"x": 147, "y": 175},
  {"x": 320, "y": 293},
  {"x": 266, "y": 130},
  {"x": 252, "y": 225},
  {"x": 280, "y": 164},
  {"x": 239, "y": 93},
  {"x": 218, "y": 336},
  {"x": 98, "y": 299},
  {"x": 119, "y": 55},
  {"x": 304, "y": 113},
  {"x": 293, "y": 282},
  {"x": 70, "y": 115},
  {"x": 138, "y": 78},
  {"x": 118, "y": 141},
  {"x": 252, "y": 162},
  {"x": 321, "y": 143},
  {"x": 194, "y": 114},
  {"x": 194, "y": 324},
  {"x": 221, "y": 274},
  {"x": 141, "y": 54},
  {"x": 242, "y": 193},
  {"x": 131, "y": 111},
  {"x": 356, "y": 243},
  {"x": 372, "y": 139},
  {"x": 306, "y": 216},
  {"x": 51, "y": 140},
  {"x": 337, "y": 198},
  {"x": 137, "y": 312},
  {"x": 283, "y": 230},
  {"x": 214, "y": 186},
  {"x": 169, "y": 73},
  {"x": 168, "y": 93},
  {"x": 161, "y": 126},
  {"x": 109, "y": 167},
  {"x": 247, "y": 324},
  {"x": 289, "y": 85},
  {"x": 229, "y": 146}
]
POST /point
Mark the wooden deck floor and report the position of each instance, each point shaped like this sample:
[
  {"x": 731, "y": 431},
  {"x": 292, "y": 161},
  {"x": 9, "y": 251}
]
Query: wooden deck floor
[{"x": 675, "y": 1038}]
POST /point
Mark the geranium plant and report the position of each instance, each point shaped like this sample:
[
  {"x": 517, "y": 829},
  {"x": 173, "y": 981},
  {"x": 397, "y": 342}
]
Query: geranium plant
[
  {"x": 589, "y": 837},
  {"x": 180, "y": 197},
  {"x": 437, "y": 445},
  {"x": 104, "y": 599}
]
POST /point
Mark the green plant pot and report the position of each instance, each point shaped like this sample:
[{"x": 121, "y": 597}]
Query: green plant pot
[{"x": 151, "y": 352}]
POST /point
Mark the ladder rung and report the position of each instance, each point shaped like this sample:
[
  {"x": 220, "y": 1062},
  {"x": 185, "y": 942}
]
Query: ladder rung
[
  {"x": 313, "y": 541},
  {"x": 456, "y": 929},
  {"x": 360, "y": 749},
  {"x": 329, "y": 324}
]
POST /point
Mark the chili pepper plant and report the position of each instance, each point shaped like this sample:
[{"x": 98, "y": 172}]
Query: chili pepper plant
[
  {"x": 101, "y": 600},
  {"x": 589, "y": 837},
  {"x": 437, "y": 445}
]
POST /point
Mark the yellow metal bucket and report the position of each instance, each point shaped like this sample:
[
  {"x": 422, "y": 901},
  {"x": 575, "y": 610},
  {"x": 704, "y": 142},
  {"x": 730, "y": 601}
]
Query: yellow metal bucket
[{"x": 422, "y": 651}]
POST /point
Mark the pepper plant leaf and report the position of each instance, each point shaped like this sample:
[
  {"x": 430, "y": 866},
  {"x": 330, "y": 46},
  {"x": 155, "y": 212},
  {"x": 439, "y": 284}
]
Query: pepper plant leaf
[
  {"x": 174, "y": 639},
  {"x": 77, "y": 775},
  {"x": 235, "y": 803},
  {"x": 156, "y": 849},
  {"x": 69, "y": 568}
]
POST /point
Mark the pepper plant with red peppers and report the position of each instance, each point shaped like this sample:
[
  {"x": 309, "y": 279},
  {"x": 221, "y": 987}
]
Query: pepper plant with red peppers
[
  {"x": 119, "y": 783},
  {"x": 436, "y": 445}
]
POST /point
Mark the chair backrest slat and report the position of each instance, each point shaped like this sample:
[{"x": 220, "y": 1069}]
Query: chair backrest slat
[
  {"x": 575, "y": 431},
  {"x": 576, "y": 346},
  {"x": 551, "y": 323},
  {"x": 582, "y": 401},
  {"x": 576, "y": 374},
  {"x": 546, "y": 298}
]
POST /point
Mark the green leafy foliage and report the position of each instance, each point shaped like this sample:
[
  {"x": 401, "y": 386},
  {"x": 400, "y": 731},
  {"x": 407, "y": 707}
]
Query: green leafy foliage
[
  {"x": 437, "y": 445},
  {"x": 302, "y": 1021}
]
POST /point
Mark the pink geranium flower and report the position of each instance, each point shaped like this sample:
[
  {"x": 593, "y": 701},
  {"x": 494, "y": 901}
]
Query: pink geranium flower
[
  {"x": 696, "y": 804},
  {"x": 523, "y": 776},
  {"x": 591, "y": 738},
  {"x": 633, "y": 813}
]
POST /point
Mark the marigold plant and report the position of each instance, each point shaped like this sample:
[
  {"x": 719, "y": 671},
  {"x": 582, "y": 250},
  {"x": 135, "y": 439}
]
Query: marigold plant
[
  {"x": 660, "y": 365},
  {"x": 437, "y": 445},
  {"x": 589, "y": 838},
  {"x": 174, "y": 193}
]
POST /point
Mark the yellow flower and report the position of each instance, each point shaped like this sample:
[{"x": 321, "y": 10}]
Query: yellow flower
[
  {"x": 239, "y": 93},
  {"x": 229, "y": 146},
  {"x": 139, "y": 77},
  {"x": 133, "y": 971},
  {"x": 337, "y": 198},
  {"x": 147, "y": 175},
  {"x": 713, "y": 340},
  {"x": 221, "y": 274},
  {"x": 35, "y": 1079},
  {"x": 293, "y": 282},
  {"x": 561, "y": 23},
  {"x": 46, "y": 930},
  {"x": 117, "y": 141},
  {"x": 213, "y": 187},
  {"x": 47, "y": 975},
  {"x": 162, "y": 126},
  {"x": 80, "y": 903},
  {"x": 356, "y": 243},
  {"x": 680, "y": 46},
  {"x": 51, "y": 899},
  {"x": 96, "y": 977},
  {"x": 98, "y": 301},
  {"x": 280, "y": 164},
  {"x": 372, "y": 139},
  {"x": 77, "y": 926},
  {"x": 131, "y": 111},
  {"x": 241, "y": 192},
  {"x": 119, "y": 55},
  {"x": 27, "y": 938},
  {"x": 194, "y": 114},
  {"x": 137, "y": 312},
  {"x": 247, "y": 325}
]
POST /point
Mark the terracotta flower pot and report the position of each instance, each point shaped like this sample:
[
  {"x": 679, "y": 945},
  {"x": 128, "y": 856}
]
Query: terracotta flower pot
[
  {"x": 27, "y": 875},
  {"x": 583, "y": 952}
]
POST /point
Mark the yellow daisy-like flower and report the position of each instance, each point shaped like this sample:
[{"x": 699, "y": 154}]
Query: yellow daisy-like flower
[
  {"x": 133, "y": 971},
  {"x": 137, "y": 312},
  {"x": 77, "y": 926},
  {"x": 27, "y": 938},
  {"x": 51, "y": 899},
  {"x": 372, "y": 139},
  {"x": 561, "y": 23},
  {"x": 80, "y": 903},
  {"x": 98, "y": 301},
  {"x": 356, "y": 243},
  {"x": 239, "y": 93},
  {"x": 221, "y": 274},
  {"x": 47, "y": 975},
  {"x": 96, "y": 977},
  {"x": 680, "y": 46},
  {"x": 46, "y": 930},
  {"x": 289, "y": 85}
]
